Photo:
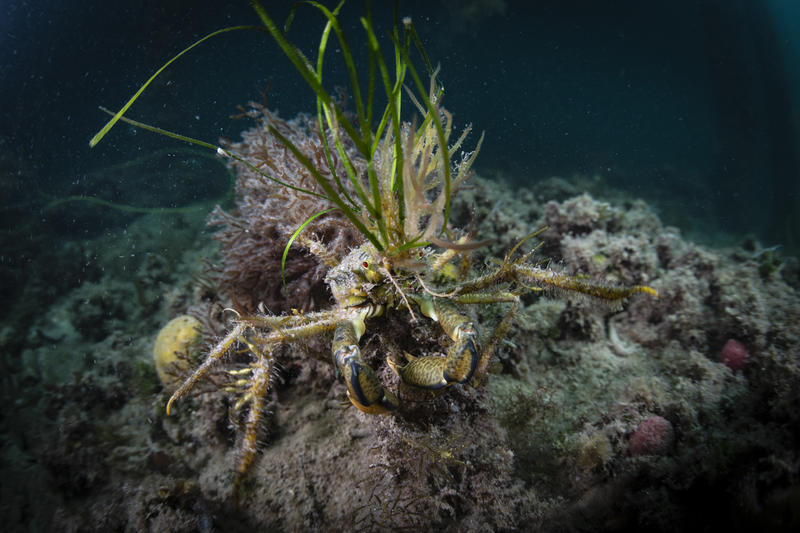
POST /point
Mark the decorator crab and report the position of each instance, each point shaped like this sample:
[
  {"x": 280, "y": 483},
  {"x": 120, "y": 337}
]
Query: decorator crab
[{"x": 396, "y": 190}]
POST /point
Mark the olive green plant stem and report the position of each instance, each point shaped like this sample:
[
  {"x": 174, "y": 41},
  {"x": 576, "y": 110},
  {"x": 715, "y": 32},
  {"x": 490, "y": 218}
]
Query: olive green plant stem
[
  {"x": 303, "y": 67},
  {"x": 444, "y": 150},
  {"x": 394, "y": 110},
  {"x": 367, "y": 215},
  {"x": 292, "y": 239},
  {"x": 329, "y": 190},
  {"x": 335, "y": 118},
  {"x": 118, "y": 115},
  {"x": 323, "y": 43},
  {"x": 347, "y": 55},
  {"x": 218, "y": 149},
  {"x": 330, "y": 114}
]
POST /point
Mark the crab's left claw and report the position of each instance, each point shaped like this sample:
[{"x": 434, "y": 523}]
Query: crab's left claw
[
  {"x": 458, "y": 366},
  {"x": 435, "y": 372}
]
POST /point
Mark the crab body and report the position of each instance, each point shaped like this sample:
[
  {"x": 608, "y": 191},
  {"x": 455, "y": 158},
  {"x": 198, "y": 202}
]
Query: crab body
[{"x": 365, "y": 281}]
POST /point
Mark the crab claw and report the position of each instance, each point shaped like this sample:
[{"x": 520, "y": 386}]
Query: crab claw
[
  {"x": 424, "y": 372},
  {"x": 435, "y": 372},
  {"x": 364, "y": 389},
  {"x": 462, "y": 357}
]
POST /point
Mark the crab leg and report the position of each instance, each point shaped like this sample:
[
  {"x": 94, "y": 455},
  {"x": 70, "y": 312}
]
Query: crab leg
[
  {"x": 543, "y": 278},
  {"x": 260, "y": 380},
  {"x": 215, "y": 355}
]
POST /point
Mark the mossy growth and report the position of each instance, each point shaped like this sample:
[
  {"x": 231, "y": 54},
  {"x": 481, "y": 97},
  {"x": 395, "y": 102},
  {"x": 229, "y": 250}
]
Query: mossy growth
[
  {"x": 144, "y": 378},
  {"x": 768, "y": 263}
]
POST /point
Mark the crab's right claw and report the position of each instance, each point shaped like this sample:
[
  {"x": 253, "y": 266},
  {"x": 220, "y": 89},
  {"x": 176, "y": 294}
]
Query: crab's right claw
[
  {"x": 366, "y": 392},
  {"x": 364, "y": 389}
]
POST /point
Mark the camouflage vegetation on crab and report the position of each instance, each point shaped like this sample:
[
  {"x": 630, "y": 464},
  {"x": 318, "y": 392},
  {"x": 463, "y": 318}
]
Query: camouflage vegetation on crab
[{"x": 396, "y": 189}]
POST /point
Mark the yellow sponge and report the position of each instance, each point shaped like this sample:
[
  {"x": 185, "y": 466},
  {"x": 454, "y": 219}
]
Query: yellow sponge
[{"x": 171, "y": 352}]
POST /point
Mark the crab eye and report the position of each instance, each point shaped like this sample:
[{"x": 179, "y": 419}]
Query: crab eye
[{"x": 365, "y": 264}]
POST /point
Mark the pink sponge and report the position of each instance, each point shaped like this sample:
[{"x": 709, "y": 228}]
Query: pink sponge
[
  {"x": 654, "y": 436},
  {"x": 734, "y": 355}
]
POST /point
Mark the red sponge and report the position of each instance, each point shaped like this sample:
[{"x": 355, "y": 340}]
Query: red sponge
[
  {"x": 654, "y": 436},
  {"x": 734, "y": 355}
]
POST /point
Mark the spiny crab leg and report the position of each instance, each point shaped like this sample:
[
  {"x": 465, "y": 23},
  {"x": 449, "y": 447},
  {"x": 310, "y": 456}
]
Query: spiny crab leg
[
  {"x": 253, "y": 382},
  {"x": 260, "y": 381},
  {"x": 325, "y": 322},
  {"x": 289, "y": 321},
  {"x": 318, "y": 323},
  {"x": 214, "y": 355},
  {"x": 547, "y": 278}
]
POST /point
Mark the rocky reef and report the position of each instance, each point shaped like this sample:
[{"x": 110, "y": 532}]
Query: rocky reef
[{"x": 593, "y": 418}]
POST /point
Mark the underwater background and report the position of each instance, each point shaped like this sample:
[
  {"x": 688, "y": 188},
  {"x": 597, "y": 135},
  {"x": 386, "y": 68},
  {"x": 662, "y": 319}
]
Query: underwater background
[{"x": 684, "y": 114}]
